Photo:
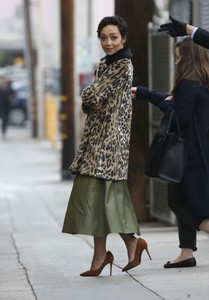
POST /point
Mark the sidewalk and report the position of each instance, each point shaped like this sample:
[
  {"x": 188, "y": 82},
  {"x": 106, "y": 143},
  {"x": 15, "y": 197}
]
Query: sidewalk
[{"x": 38, "y": 262}]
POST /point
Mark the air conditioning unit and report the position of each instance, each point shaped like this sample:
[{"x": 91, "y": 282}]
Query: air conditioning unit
[{"x": 161, "y": 70}]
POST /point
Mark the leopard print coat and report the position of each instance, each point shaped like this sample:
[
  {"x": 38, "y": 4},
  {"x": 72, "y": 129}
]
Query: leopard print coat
[{"x": 104, "y": 147}]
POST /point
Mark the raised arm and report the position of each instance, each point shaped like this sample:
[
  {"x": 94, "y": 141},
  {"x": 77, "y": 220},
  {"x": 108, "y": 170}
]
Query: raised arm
[
  {"x": 152, "y": 96},
  {"x": 178, "y": 28}
]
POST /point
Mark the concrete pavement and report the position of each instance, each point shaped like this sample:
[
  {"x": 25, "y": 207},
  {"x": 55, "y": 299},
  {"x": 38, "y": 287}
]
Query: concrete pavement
[{"x": 38, "y": 262}]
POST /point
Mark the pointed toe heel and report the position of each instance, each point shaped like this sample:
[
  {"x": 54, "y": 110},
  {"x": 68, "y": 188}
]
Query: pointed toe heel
[
  {"x": 141, "y": 246},
  {"x": 108, "y": 260}
]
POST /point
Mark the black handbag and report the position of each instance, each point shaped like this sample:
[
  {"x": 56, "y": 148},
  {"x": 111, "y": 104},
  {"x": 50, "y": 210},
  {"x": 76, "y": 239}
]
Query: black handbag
[{"x": 167, "y": 153}]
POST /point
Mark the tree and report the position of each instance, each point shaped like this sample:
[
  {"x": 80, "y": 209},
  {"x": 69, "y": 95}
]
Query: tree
[
  {"x": 67, "y": 86},
  {"x": 137, "y": 14},
  {"x": 29, "y": 53}
]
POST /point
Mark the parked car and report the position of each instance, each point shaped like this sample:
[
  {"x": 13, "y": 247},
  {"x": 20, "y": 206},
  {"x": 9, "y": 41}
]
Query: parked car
[{"x": 19, "y": 110}]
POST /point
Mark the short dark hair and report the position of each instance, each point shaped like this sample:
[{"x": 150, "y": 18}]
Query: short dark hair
[{"x": 114, "y": 20}]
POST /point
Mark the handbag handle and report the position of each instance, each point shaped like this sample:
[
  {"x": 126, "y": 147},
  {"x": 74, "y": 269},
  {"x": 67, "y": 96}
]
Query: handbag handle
[{"x": 177, "y": 123}]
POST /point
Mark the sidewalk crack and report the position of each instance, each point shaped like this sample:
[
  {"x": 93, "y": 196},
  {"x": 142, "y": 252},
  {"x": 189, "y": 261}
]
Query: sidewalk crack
[
  {"x": 22, "y": 265},
  {"x": 144, "y": 286}
]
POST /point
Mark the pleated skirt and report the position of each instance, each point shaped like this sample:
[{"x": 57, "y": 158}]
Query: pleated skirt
[{"x": 98, "y": 207}]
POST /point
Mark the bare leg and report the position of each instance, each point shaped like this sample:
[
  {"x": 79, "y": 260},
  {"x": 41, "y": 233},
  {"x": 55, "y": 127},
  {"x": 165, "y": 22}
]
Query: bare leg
[
  {"x": 186, "y": 253},
  {"x": 130, "y": 242},
  {"x": 99, "y": 252},
  {"x": 204, "y": 225}
]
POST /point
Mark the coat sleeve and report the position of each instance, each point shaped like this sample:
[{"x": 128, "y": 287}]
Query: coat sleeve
[
  {"x": 201, "y": 37},
  {"x": 154, "y": 97},
  {"x": 107, "y": 83},
  {"x": 183, "y": 100}
]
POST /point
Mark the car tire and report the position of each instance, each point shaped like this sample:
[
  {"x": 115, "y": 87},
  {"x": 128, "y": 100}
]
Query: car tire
[{"x": 17, "y": 117}]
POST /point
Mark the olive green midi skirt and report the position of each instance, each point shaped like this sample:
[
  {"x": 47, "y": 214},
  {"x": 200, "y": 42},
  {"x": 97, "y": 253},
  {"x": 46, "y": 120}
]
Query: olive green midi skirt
[{"x": 98, "y": 207}]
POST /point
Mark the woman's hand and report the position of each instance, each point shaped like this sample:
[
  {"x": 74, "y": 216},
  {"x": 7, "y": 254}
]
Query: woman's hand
[
  {"x": 97, "y": 107},
  {"x": 169, "y": 98},
  {"x": 133, "y": 92}
]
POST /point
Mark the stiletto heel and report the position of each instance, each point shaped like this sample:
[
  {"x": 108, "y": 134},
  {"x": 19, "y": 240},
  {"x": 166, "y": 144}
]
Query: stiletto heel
[
  {"x": 148, "y": 253},
  {"x": 108, "y": 260},
  {"x": 140, "y": 247},
  {"x": 110, "y": 269}
]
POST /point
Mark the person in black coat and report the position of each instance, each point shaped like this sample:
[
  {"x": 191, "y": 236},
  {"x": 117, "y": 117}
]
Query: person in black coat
[
  {"x": 189, "y": 99},
  {"x": 6, "y": 95},
  {"x": 178, "y": 28}
]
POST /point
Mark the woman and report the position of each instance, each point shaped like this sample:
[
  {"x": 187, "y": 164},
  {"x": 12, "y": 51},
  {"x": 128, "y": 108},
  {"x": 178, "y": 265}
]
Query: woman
[
  {"x": 100, "y": 202},
  {"x": 6, "y": 96},
  {"x": 189, "y": 99}
]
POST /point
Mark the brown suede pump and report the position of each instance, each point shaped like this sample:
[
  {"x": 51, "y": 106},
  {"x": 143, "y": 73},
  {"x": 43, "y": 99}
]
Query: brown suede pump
[
  {"x": 108, "y": 260},
  {"x": 141, "y": 246}
]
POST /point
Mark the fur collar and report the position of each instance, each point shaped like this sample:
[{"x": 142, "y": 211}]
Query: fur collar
[{"x": 122, "y": 53}]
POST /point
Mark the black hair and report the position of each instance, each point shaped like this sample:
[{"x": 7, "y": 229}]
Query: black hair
[{"x": 114, "y": 20}]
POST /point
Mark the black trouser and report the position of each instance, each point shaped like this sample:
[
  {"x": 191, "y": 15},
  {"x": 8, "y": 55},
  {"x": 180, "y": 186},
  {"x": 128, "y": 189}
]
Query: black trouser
[
  {"x": 5, "y": 118},
  {"x": 187, "y": 223}
]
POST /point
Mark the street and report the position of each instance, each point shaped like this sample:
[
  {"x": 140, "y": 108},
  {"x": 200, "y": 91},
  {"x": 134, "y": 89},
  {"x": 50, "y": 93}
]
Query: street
[{"x": 37, "y": 261}]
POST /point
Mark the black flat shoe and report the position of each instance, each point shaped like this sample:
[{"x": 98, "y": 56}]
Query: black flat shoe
[{"x": 190, "y": 262}]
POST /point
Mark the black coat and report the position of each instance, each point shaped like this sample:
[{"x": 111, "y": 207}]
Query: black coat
[
  {"x": 201, "y": 37},
  {"x": 191, "y": 105},
  {"x": 5, "y": 100}
]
